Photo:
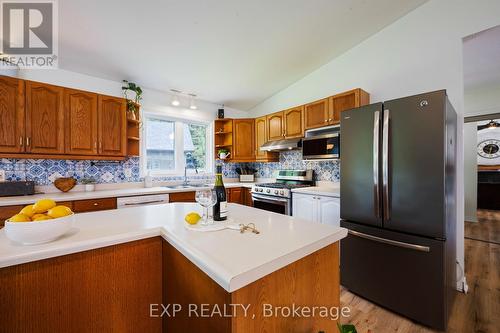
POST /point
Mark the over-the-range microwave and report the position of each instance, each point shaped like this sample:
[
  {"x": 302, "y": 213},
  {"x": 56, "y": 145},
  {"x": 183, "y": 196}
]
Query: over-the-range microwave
[{"x": 321, "y": 143}]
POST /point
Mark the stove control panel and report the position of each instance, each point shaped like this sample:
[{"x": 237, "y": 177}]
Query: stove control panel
[{"x": 275, "y": 192}]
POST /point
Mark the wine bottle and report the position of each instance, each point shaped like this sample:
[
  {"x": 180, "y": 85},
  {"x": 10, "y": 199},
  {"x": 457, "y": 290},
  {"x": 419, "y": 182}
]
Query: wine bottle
[{"x": 220, "y": 208}]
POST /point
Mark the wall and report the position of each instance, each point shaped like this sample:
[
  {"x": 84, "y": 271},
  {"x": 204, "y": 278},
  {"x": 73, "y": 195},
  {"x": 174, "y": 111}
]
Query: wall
[
  {"x": 43, "y": 172},
  {"x": 420, "y": 52},
  {"x": 470, "y": 172}
]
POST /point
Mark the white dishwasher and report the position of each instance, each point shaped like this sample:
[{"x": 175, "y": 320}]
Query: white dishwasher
[{"x": 142, "y": 200}]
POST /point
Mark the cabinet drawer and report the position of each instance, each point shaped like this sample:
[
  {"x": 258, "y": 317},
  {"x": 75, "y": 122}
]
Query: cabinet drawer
[
  {"x": 182, "y": 197},
  {"x": 93, "y": 205}
]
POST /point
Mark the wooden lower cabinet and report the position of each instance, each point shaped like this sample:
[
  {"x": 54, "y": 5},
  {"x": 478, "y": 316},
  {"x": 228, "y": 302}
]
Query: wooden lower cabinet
[
  {"x": 235, "y": 195},
  {"x": 247, "y": 197},
  {"x": 104, "y": 290},
  {"x": 182, "y": 197},
  {"x": 8, "y": 211}
]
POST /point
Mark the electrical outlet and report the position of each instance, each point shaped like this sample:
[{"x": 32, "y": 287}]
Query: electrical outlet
[{"x": 2, "y": 175}]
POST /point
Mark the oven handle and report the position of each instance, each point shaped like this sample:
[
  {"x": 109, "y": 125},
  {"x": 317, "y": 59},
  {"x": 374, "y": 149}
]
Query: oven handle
[{"x": 268, "y": 200}]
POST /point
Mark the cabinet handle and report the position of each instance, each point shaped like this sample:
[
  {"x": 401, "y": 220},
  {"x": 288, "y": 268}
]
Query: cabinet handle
[
  {"x": 330, "y": 119},
  {"x": 95, "y": 145},
  {"x": 27, "y": 141},
  {"x": 96, "y": 204},
  {"x": 326, "y": 120},
  {"x": 21, "y": 141},
  {"x": 100, "y": 145}
]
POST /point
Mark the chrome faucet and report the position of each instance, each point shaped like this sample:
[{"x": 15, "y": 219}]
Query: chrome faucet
[{"x": 186, "y": 181}]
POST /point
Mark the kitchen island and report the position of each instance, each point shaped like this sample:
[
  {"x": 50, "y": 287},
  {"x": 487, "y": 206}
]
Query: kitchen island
[{"x": 140, "y": 269}]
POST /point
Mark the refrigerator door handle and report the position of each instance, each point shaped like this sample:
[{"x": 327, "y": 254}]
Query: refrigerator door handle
[
  {"x": 391, "y": 242},
  {"x": 385, "y": 166},
  {"x": 376, "y": 188}
]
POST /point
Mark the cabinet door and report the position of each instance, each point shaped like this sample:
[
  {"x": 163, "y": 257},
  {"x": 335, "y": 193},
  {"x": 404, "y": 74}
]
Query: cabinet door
[
  {"x": 345, "y": 101},
  {"x": 11, "y": 115},
  {"x": 112, "y": 125},
  {"x": 316, "y": 114},
  {"x": 243, "y": 140},
  {"x": 235, "y": 195},
  {"x": 275, "y": 130},
  {"x": 260, "y": 136},
  {"x": 248, "y": 201},
  {"x": 329, "y": 211},
  {"x": 44, "y": 118},
  {"x": 294, "y": 122},
  {"x": 304, "y": 207},
  {"x": 81, "y": 122}
]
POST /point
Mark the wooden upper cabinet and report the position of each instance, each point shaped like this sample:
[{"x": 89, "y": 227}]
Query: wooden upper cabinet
[
  {"x": 316, "y": 114},
  {"x": 345, "y": 101},
  {"x": 275, "y": 128},
  {"x": 243, "y": 139},
  {"x": 112, "y": 126},
  {"x": 11, "y": 115},
  {"x": 44, "y": 118},
  {"x": 81, "y": 122},
  {"x": 260, "y": 136},
  {"x": 294, "y": 122}
]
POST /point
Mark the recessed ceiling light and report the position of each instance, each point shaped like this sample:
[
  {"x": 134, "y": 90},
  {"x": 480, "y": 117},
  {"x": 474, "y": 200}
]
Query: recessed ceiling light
[
  {"x": 175, "y": 97},
  {"x": 192, "y": 104}
]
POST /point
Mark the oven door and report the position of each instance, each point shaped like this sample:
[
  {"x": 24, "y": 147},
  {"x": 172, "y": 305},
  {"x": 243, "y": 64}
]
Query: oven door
[
  {"x": 325, "y": 146},
  {"x": 272, "y": 204}
]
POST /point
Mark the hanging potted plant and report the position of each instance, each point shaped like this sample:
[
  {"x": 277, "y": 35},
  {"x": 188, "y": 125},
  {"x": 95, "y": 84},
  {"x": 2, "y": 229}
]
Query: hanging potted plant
[{"x": 132, "y": 105}]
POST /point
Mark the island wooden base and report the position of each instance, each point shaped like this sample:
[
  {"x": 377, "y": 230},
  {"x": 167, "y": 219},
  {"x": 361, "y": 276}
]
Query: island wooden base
[
  {"x": 313, "y": 281},
  {"x": 114, "y": 289}
]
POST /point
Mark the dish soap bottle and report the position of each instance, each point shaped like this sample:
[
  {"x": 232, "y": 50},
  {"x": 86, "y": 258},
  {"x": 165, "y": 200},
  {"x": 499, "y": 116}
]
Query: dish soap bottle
[{"x": 148, "y": 180}]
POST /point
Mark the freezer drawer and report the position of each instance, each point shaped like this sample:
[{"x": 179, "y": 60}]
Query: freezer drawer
[{"x": 403, "y": 273}]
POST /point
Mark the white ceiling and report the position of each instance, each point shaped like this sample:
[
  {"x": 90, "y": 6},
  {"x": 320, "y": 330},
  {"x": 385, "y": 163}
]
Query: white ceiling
[
  {"x": 482, "y": 59},
  {"x": 236, "y": 52}
]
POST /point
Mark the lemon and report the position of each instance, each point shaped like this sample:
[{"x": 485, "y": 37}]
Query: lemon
[
  {"x": 43, "y": 205},
  {"x": 34, "y": 217},
  {"x": 59, "y": 211},
  {"x": 27, "y": 210},
  {"x": 192, "y": 218},
  {"x": 20, "y": 218},
  {"x": 41, "y": 217}
]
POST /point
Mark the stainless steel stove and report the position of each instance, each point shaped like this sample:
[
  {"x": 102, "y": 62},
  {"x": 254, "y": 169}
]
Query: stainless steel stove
[{"x": 277, "y": 197}]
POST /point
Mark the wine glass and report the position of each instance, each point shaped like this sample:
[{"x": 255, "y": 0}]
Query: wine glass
[{"x": 206, "y": 198}]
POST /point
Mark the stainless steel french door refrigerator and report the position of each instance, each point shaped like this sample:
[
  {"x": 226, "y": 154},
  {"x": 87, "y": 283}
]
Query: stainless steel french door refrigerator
[{"x": 398, "y": 201}]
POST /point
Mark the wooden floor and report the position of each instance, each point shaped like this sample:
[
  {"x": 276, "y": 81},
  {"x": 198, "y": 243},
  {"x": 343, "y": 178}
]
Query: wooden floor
[
  {"x": 478, "y": 311},
  {"x": 487, "y": 228}
]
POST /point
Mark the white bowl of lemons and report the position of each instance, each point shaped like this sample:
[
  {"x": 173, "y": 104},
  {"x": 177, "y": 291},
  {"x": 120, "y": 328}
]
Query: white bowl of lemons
[{"x": 39, "y": 223}]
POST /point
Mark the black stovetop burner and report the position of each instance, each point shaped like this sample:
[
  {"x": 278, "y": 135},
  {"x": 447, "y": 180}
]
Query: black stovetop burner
[{"x": 282, "y": 185}]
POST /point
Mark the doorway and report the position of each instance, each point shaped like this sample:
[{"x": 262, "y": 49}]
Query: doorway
[{"x": 482, "y": 135}]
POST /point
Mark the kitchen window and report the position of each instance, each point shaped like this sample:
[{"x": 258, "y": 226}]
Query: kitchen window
[{"x": 171, "y": 145}]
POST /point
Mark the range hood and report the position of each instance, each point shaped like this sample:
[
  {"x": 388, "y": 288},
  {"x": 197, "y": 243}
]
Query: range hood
[{"x": 280, "y": 145}]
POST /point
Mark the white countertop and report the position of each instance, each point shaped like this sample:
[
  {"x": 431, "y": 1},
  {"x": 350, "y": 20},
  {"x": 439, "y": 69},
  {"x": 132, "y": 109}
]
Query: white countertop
[
  {"x": 230, "y": 258},
  {"x": 118, "y": 192},
  {"x": 319, "y": 190}
]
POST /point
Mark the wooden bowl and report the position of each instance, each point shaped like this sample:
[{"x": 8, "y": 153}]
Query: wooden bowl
[{"x": 65, "y": 184}]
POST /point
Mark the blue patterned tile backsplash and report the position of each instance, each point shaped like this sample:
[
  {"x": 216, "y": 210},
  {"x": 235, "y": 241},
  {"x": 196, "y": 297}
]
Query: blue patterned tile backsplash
[
  {"x": 44, "y": 172},
  {"x": 323, "y": 170}
]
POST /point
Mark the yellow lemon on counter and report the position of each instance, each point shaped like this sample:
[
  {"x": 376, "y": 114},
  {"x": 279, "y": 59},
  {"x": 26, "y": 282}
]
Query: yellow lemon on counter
[
  {"x": 43, "y": 205},
  {"x": 20, "y": 218},
  {"x": 41, "y": 217},
  {"x": 192, "y": 218},
  {"x": 28, "y": 211},
  {"x": 59, "y": 211}
]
